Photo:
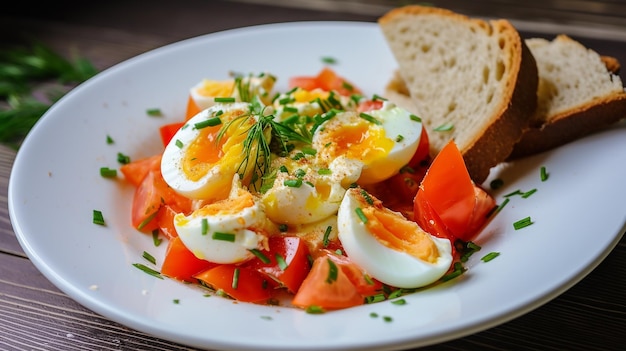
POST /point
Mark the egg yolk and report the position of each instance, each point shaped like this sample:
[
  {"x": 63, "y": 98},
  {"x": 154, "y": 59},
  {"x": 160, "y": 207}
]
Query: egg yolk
[
  {"x": 217, "y": 88},
  {"x": 231, "y": 205},
  {"x": 361, "y": 141},
  {"x": 302, "y": 95},
  {"x": 397, "y": 233},
  {"x": 202, "y": 153}
]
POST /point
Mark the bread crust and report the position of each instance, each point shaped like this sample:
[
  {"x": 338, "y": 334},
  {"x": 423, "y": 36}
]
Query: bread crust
[{"x": 493, "y": 143}]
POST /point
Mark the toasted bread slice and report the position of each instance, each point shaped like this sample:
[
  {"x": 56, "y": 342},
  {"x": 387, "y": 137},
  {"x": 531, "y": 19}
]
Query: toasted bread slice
[
  {"x": 470, "y": 80},
  {"x": 579, "y": 93}
]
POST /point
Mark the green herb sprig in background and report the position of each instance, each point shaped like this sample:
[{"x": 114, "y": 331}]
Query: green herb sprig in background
[{"x": 31, "y": 80}]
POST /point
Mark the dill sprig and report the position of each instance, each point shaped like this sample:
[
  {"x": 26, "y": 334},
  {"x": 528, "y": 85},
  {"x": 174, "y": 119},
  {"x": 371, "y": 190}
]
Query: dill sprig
[{"x": 264, "y": 138}]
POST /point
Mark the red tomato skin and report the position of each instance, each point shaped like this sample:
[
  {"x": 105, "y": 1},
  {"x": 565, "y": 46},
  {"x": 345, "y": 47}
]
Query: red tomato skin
[
  {"x": 252, "y": 286},
  {"x": 165, "y": 221},
  {"x": 181, "y": 264},
  {"x": 135, "y": 171},
  {"x": 294, "y": 251},
  {"x": 365, "y": 286},
  {"x": 326, "y": 80},
  {"x": 192, "y": 108},
  {"x": 317, "y": 291},
  {"x": 167, "y": 131},
  {"x": 422, "y": 154},
  {"x": 369, "y": 105},
  {"x": 449, "y": 190}
]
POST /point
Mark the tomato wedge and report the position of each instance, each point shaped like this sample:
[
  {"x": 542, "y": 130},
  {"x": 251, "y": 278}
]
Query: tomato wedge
[
  {"x": 181, "y": 264},
  {"x": 286, "y": 261},
  {"x": 240, "y": 283},
  {"x": 327, "y": 287},
  {"x": 135, "y": 171},
  {"x": 167, "y": 131},
  {"x": 446, "y": 200},
  {"x": 365, "y": 285},
  {"x": 165, "y": 221},
  {"x": 326, "y": 80}
]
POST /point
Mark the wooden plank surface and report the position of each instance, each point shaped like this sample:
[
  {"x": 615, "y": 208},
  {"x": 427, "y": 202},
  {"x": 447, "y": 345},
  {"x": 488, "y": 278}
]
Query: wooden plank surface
[{"x": 35, "y": 315}]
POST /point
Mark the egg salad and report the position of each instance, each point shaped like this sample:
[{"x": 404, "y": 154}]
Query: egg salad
[{"x": 279, "y": 188}]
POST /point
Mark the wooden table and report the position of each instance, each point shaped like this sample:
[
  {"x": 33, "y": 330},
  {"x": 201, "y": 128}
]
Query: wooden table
[{"x": 35, "y": 315}]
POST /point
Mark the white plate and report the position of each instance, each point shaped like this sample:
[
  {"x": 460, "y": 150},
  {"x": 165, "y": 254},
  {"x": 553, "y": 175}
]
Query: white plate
[{"x": 55, "y": 184}]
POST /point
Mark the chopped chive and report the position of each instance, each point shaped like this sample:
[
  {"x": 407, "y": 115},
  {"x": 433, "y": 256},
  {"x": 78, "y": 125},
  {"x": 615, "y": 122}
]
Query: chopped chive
[
  {"x": 368, "y": 279},
  {"x": 326, "y": 235},
  {"x": 387, "y": 319},
  {"x": 457, "y": 271},
  {"x": 333, "y": 271},
  {"x": 211, "y": 122},
  {"x": 146, "y": 221},
  {"x": 283, "y": 169},
  {"x": 359, "y": 212},
  {"x": 373, "y": 314},
  {"x": 369, "y": 118},
  {"x": 528, "y": 193},
  {"x": 299, "y": 173},
  {"x": 283, "y": 227},
  {"x": 329, "y": 60},
  {"x": 286, "y": 100},
  {"x": 110, "y": 140},
  {"x": 123, "y": 159},
  {"x": 179, "y": 144},
  {"x": 107, "y": 172},
  {"x": 367, "y": 197},
  {"x": 260, "y": 255},
  {"x": 282, "y": 264},
  {"x": 224, "y": 99},
  {"x": 399, "y": 138},
  {"x": 544, "y": 174},
  {"x": 224, "y": 236},
  {"x": 293, "y": 183},
  {"x": 148, "y": 270},
  {"x": 378, "y": 97},
  {"x": 98, "y": 218},
  {"x": 324, "y": 171},
  {"x": 235, "y": 278},
  {"x": 522, "y": 223},
  {"x": 149, "y": 257},
  {"x": 516, "y": 192},
  {"x": 347, "y": 86},
  {"x": 176, "y": 301},
  {"x": 444, "y": 128},
  {"x": 399, "y": 302},
  {"x": 309, "y": 151},
  {"x": 415, "y": 118},
  {"x": 267, "y": 318},
  {"x": 490, "y": 256},
  {"x": 375, "y": 298},
  {"x": 501, "y": 206},
  {"x": 155, "y": 238},
  {"x": 154, "y": 112},
  {"x": 205, "y": 226},
  {"x": 313, "y": 309}
]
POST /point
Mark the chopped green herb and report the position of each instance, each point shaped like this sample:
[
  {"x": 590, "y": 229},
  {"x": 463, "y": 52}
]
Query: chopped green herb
[
  {"x": 544, "y": 174},
  {"x": 235, "y": 278},
  {"x": 369, "y": 118},
  {"x": 324, "y": 171},
  {"x": 458, "y": 270},
  {"x": 176, "y": 301},
  {"x": 224, "y": 236},
  {"x": 293, "y": 183},
  {"x": 387, "y": 319},
  {"x": 333, "y": 271},
  {"x": 110, "y": 140},
  {"x": 283, "y": 227},
  {"x": 528, "y": 193},
  {"x": 267, "y": 318},
  {"x": 367, "y": 197},
  {"x": 309, "y": 151},
  {"x": 282, "y": 264},
  {"x": 260, "y": 255},
  {"x": 347, "y": 86},
  {"x": 283, "y": 169},
  {"x": 444, "y": 128},
  {"x": 155, "y": 238},
  {"x": 149, "y": 257},
  {"x": 399, "y": 302},
  {"x": 378, "y": 97},
  {"x": 415, "y": 118},
  {"x": 205, "y": 226},
  {"x": 107, "y": 172},
  {"x": 314, "y": 309},
  {"x": 513, "y": 193},
  {"x": 375, "y": 298},
  {"x": 147, "y": 220},
  {"x": 360, "y": 214},
  {"x": 179, "y": 144},
  {"x": 98, "y": 218},
  {"x": 211, "y": 122},
  {"x": 154, "y": 112},
  {"x": 329, "y": 60},
  {"x": 373, "y": 314},
  {"x": 490, "y": 256},
  {"x": 522, "y": 223},
  {"x": 123, "y": 159},
  {"x": 148, "y": 270},
  {"x": 224, "y": 99},
  {"x": 325, "y": 240},
  {"x": 399, "y": 138}
]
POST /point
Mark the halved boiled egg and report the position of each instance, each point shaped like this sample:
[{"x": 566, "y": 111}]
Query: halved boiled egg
[
  {"x": 388, "y": 246},
  {"x": 199, "y": 162},
  {"x": 225, "y": 231},
  {"x": 383, "y": 140},
  {"x": 303, "y": 193}
]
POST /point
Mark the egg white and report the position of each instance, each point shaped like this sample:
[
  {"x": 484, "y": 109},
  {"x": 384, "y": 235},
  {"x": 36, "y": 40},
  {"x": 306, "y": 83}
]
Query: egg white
[{"x": 387, "y": 265}]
